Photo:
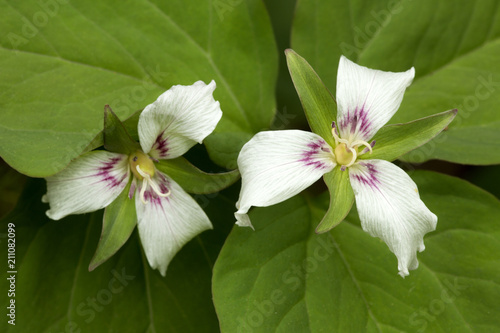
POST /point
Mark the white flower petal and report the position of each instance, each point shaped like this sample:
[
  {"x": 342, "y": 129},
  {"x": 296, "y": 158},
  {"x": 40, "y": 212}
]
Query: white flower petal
[
  {"x": 89, "y": 183},
  {"x": 166, "y": 224},
  {"x": 181, "y": 117},
  {"x": 390, "y": 208},
  {"x": 277, "y": 165},
  {"x": 367, "y": 98},
  {"x": 242, "y": 218}
]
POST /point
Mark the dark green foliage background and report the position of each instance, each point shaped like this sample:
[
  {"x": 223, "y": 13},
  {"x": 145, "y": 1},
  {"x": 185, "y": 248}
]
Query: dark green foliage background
[{"x": 56, "y": 79}]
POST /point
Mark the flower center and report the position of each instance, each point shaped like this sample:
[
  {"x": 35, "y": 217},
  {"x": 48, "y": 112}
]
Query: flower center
[
  {"x": 143, "y": 169},
  {"x": 344, "y": 155},
  {"x": 346, "y": 151},
  {"x": 141, "y": 160}
]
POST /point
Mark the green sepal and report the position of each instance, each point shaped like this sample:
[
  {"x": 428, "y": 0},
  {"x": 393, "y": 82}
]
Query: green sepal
[
  {"x": 194, "y": 180},
  {"x": 318, "y": 103},
  {"x": 131, "y": 125},
  {"x": 115, "y": 136},
  {"x": 119, "y": 220},
  {"x": 393, "y": 141},
  {"x": 341, "y": 199}
]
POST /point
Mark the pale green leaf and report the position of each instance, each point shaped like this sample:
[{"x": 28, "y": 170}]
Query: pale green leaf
[
  {"x": 224, "y": 148},
  {"x": 57, "y": 293},
  {"x": 57, "y": 76},
  {"x": 283, "y": 277},
  {"x": 453, "y": 45}
]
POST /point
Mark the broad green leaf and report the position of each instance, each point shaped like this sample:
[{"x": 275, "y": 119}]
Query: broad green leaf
[
  {"x": 392, "y": 141},
  {"x": 55, "y": 292},
  {"x": 453, "y": 45},
  {"x": 283, "y": 277},
  {"x": 119, "y": 220},
  {"x": 115, "y": 136},
  {"x": 224, "y": 148},
  {"x": 61, "y": 62},
  {"x": 193, "y": 180},
  {"x": 341, "y": 199},
  {"x": 318, "y": 103}
]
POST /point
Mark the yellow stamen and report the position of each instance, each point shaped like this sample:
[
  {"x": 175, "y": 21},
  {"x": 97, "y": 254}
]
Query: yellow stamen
[
  {"x": 345, "y": 155},
  {"x": 139, "y": 159}
]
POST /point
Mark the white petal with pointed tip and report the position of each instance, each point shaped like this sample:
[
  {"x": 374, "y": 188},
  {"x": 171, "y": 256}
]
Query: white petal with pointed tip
[
  {"x": 390, "y": 208},
  {"x": 166, "y": 224},
  {"x": 367, "y": 98},
  {"x": 242, "y": 218},
  {"x": 181, "y": 117},
  {"x": 276, "y": 165},
  {"x": 89, "y": 183}
]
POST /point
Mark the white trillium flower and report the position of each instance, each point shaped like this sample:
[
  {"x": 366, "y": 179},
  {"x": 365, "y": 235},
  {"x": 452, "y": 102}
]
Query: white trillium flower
[
  {"x": 167, "y": 217},
  {"x": 276, "y": 165}
]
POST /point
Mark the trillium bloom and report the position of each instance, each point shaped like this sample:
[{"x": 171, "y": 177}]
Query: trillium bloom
[
  {"x": 277, "y": 165},
  {"x": 167, "y": 217}
]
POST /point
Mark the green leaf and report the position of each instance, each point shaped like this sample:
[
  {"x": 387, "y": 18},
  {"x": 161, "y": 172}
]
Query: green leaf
[
  {"x": 224, "y": 148},
  {"x": 115, "y": 136},
  {"x": 283, "y": 277},
  {"x": 55, "y": 82},
  {"x": 392, "y": 141},
  {"x": 341, "y": 199},
  {"x": 318, "y": 103},
  {"x": 119, "y": 221},
  {"x": 55, "y": 290},
  {"x": 453, "y": 46},
  {"x": 193, "y": 180}
]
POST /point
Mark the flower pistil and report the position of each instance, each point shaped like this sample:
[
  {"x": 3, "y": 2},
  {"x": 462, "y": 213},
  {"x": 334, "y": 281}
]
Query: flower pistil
[
  {"x": 143, "y": 168},
  {"x": 346, "y": 152}
]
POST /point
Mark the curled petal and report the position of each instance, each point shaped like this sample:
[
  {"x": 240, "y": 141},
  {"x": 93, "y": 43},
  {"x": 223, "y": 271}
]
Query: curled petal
[
  {"x": 167, "y": 223},
  {"x": 367, "y": 98},
  {"x": 390, "y": 208},
  {"x": 277, "y": 165},
  {"x": 181, "y": 117},
  {"x": 89, "y": 183}
]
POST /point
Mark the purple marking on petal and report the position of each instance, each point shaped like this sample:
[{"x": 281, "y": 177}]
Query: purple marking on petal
[
  {"x": 310, "y": 156},
  {"x": 316, "y": 144},
  {"x": 160, "y": 145},
  {"x": 105, "y": 175},
  {"x": 163, "y": 188},
  {"x": 152, "y": 199},
  {"x": 356, "y": 122},
  {"x": 110, "y": 164},
  {"x": 370, "y": 177},
  {"x": 150, "y": 195}
]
